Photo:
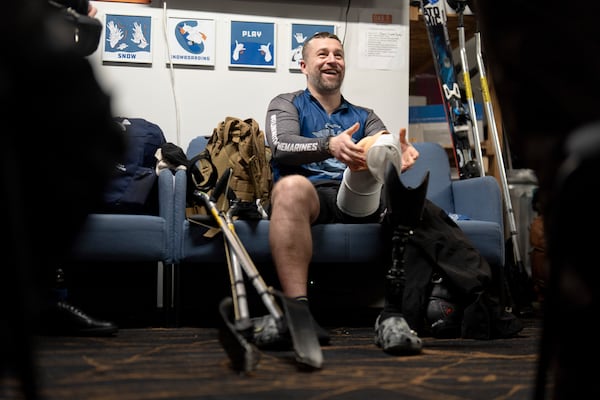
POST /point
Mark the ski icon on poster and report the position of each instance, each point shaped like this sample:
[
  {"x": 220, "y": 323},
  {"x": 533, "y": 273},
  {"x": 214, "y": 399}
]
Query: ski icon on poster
[
  {"x": 128, "y": 38},
  {"x": 301, "y": 32},
  {"x": 252, "y": 44}
]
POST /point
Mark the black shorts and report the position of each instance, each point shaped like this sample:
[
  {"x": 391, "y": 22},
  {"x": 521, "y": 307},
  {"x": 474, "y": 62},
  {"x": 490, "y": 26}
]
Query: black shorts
[{"x": 329, "y": 211}]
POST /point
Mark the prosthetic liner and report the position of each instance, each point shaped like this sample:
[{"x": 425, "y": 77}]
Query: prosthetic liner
[
  {"x": 360, "y": 191},
  {"x": 404, "y": 212}
]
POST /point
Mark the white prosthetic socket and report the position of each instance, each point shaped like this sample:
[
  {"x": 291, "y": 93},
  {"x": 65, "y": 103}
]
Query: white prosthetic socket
[
  {"x": 360, "y": 191},
  {"x": 385, "y": 150}
]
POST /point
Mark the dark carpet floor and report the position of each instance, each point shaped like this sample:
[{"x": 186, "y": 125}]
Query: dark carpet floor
[{"x": 189, "y": 363}]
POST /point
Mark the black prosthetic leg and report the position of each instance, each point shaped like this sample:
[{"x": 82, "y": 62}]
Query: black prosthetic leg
[
  {"x": 404, "y": 213},
  {"x": 404, "y": 209}
]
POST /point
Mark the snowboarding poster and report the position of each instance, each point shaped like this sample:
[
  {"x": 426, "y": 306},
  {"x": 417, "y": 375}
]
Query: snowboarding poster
[{"x": 191, "y": 41}]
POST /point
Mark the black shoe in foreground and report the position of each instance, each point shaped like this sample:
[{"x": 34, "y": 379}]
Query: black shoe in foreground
[{"x": 63, "y": 319}]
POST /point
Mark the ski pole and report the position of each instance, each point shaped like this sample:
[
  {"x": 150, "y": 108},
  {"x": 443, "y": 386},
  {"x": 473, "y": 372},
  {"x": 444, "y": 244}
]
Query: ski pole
[
  {"x": 460, "y": 9},
  {"x": 489, "y": 111}
]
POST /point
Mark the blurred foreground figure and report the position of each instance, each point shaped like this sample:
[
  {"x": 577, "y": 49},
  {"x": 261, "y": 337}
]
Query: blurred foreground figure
[
  {"x": 60, "y": 148},
  {"x": 545, "y": 66}
]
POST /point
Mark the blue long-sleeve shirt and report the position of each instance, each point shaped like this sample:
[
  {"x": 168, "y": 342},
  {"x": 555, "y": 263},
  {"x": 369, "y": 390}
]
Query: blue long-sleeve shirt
[{"x": 297, "y": 128}]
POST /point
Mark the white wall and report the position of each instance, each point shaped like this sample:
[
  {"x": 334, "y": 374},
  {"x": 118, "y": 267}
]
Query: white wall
[{"x": 201, "y": 97}]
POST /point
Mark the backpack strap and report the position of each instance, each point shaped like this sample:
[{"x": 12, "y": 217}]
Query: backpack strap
[{"x": 205, "y": 177}]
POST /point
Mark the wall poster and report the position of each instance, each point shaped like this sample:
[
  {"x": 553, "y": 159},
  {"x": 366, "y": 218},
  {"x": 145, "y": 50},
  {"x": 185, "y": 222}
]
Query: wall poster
[
  {"x": 252, "y": 44},
  {"x": 301, "y": 32},
  {"x": 191, "y": 41},
  {"x": 127, "y": 38}
]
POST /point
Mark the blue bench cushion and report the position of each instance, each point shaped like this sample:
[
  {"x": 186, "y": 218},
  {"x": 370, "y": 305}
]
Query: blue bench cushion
[{"x": 121, "y": 237}]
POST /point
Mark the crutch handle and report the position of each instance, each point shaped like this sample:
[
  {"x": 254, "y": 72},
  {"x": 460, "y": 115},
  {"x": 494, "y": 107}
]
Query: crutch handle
[{"x": 221, "y": 185}]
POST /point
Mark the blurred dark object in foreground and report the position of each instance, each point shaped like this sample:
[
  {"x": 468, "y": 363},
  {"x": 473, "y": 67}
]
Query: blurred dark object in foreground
[
  {"x": 57, "y": 158},
  {"x": 544, "y": 63},
  {"x": 73, "y": 27}
]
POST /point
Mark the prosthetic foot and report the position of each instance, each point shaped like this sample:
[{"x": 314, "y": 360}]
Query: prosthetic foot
[{"x": 404, "y": 211}]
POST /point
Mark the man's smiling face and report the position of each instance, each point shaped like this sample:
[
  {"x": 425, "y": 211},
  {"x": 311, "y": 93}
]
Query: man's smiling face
[{"x": 324, "y": 65}]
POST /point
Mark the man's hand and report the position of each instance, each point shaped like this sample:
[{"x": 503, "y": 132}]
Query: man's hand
[
  {"x": 409, "y": 153},
  {"x": 366, "y": 143},
  {"x": 344, "y": 149},
  {"x": 354, "y": 155},
  {"x": 92, "y": 11}
]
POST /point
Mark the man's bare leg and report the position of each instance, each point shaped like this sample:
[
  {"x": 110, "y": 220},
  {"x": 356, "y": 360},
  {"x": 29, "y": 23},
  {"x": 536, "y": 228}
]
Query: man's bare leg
[{"x": 295, "y": 205}]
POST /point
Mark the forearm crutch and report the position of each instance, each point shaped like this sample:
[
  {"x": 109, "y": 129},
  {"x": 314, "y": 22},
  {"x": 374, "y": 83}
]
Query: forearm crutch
[
  {"x": 243, "y": 354},
  {"x": 459, "y": 7}
]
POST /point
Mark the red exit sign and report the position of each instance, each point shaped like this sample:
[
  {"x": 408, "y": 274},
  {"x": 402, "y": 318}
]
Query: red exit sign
[{"x": 381, "y": 18}]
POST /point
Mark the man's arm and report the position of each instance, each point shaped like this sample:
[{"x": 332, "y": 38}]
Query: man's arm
[{"x": 282, "y": 130}]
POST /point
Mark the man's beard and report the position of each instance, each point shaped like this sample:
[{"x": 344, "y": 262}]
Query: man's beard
[{"x": 328, "y": 85}]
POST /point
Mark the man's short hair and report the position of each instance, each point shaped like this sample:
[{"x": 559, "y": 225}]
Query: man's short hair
[{"x": 319, "y": 35}]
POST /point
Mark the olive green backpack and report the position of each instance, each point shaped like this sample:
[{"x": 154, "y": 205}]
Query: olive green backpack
[{"x": 240, "y": 144}]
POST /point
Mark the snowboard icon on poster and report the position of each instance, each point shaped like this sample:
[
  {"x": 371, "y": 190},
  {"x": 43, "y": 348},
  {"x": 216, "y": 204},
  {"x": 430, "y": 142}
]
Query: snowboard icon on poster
[{"x": 192, "y": 41}]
